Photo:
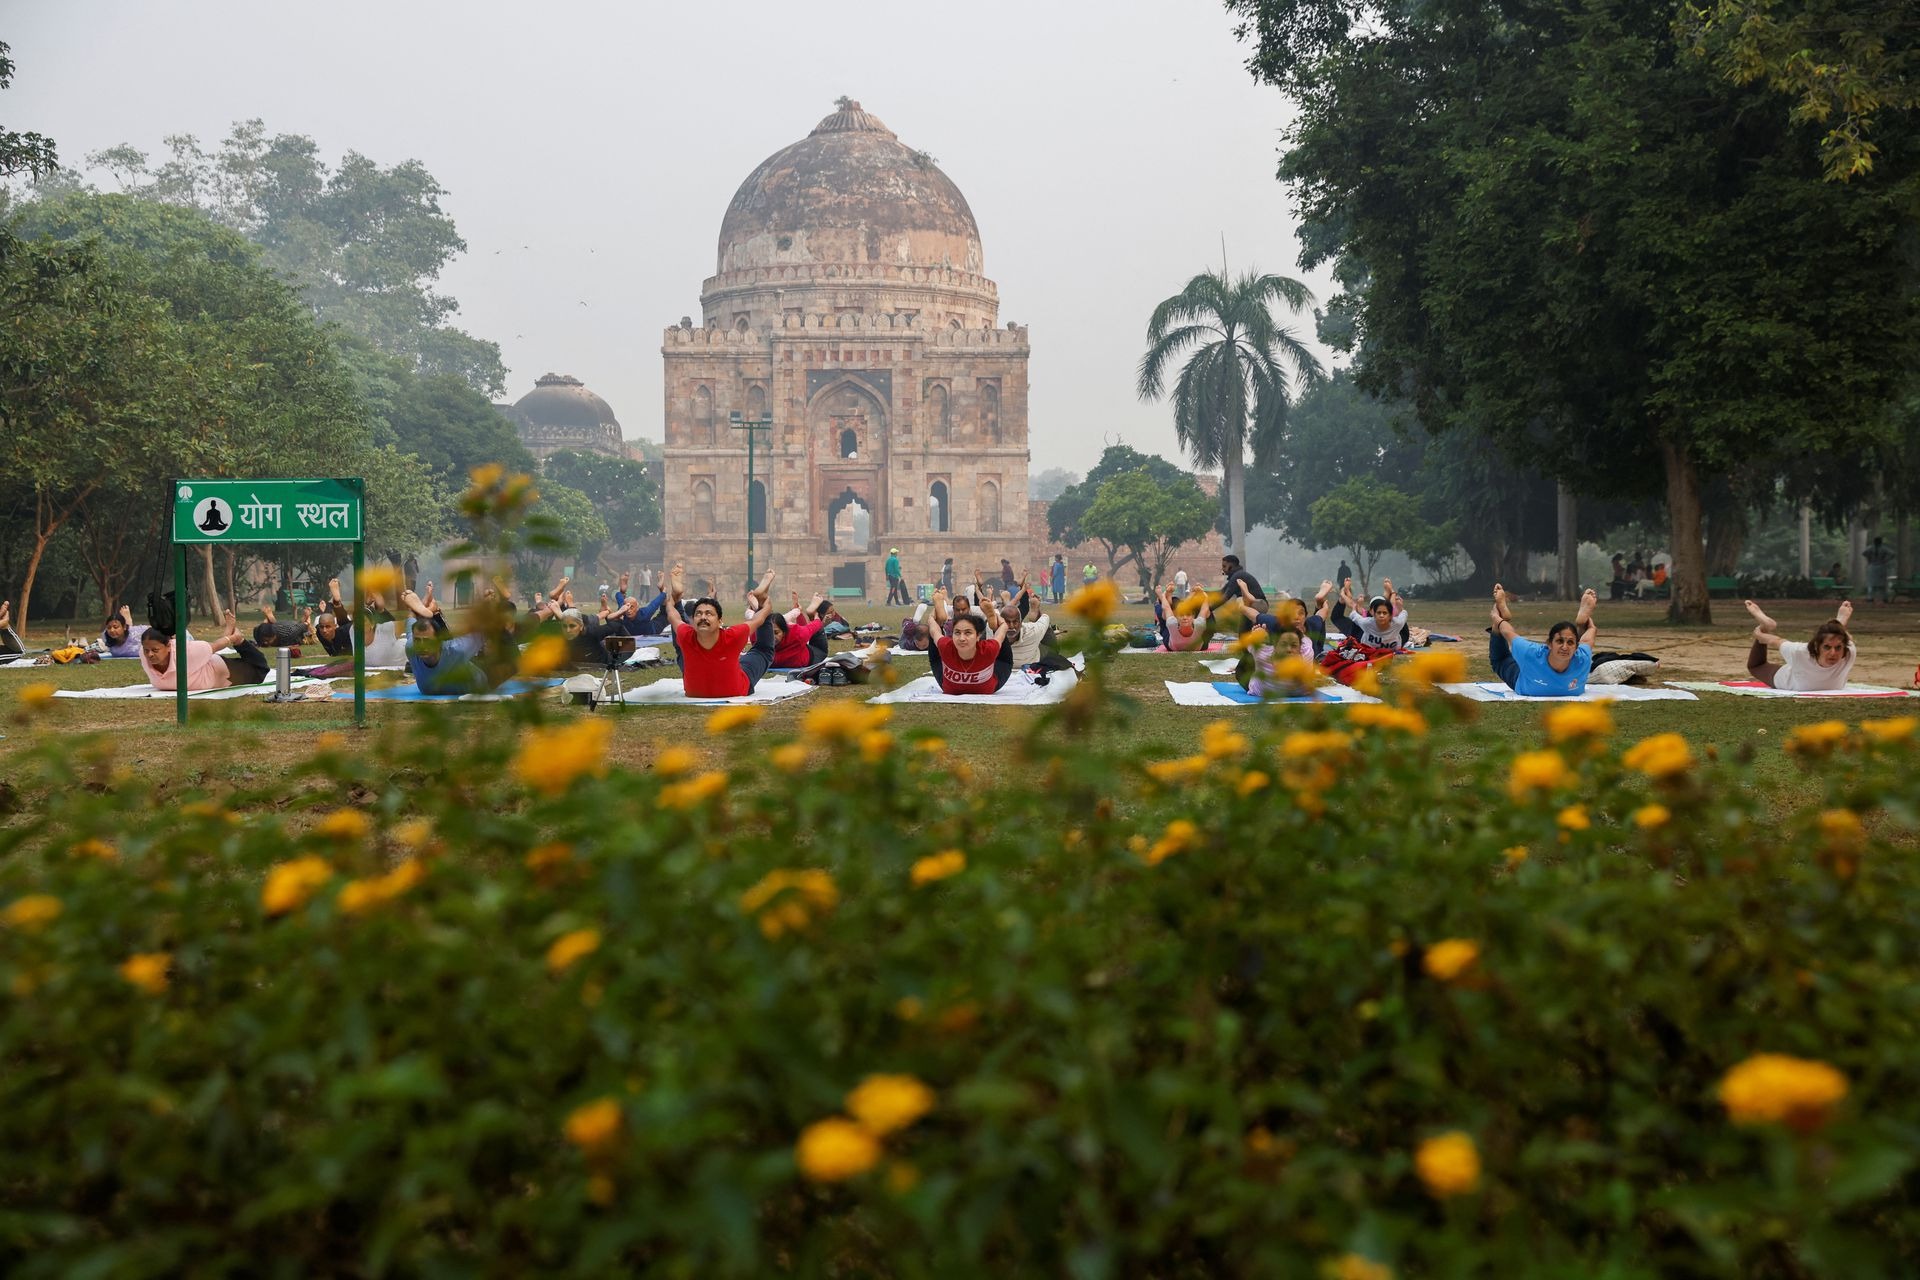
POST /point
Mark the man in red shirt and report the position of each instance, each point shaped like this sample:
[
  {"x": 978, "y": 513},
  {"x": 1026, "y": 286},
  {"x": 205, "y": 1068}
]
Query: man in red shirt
[
  {"x": 968, "y": 660},
  {"x": 716, "y": 661}
]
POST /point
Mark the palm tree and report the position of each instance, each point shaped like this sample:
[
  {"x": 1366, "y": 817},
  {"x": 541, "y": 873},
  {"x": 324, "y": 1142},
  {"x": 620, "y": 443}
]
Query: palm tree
[{"x": 1239, "y": 365}]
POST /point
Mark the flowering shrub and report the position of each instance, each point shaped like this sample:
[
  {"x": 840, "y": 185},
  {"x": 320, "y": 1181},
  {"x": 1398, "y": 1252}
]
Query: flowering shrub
[{"x": 1309, "y": 999}]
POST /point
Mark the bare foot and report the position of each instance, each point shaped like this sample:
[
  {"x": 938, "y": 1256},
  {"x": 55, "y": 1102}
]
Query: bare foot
[
  {"x": 677, "y": 581},
  {"x": 415, "y": 605},
  {"x": 1326, "y": 589},
  {"x": 1500, "y": 603},
  {"x": 759, "y": 593},
  {"x": 1760, "y": 617},
  {"x": 266, "y": 611},
  {"x": 1844, "y": 612}
]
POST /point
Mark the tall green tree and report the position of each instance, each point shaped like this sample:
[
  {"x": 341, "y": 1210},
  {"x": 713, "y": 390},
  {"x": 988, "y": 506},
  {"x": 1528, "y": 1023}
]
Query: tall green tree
[
  {"x": 1150, "y": 518},
  {"x": 30, "y": 153},
  {"x": 1369, "y": 517},
  {"x": 435, "y": 416},
  {"x": 1241, "y": 370},
  {"x": 620, "y": 489},
  {"x": 1066, "y": 513},
  {"x": 1552, "y": 228}
]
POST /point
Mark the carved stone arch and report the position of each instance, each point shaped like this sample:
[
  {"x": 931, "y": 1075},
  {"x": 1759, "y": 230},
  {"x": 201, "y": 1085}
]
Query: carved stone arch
[
  {"x": 845, "y": 405},
  {"x": 700, "y": 413},
  {"x": 848, "y": 498},
  {"x": 988, "y": 516},
  {"x": 939, "y": 408},
  {"x": 756, "y": 402}
]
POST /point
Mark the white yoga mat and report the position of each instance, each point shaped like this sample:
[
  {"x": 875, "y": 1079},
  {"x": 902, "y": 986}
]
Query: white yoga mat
[
  {"x": 1750, "y": 691},
  {"x": 1163, "y": 651},
  {"x": 1495, "y": 691},
  {"x": 1019, "y": 691},
  {"x": 146, "y": 691},
  {"x": 673, "y": 693},
  {"x": 1209, "y": 693}
]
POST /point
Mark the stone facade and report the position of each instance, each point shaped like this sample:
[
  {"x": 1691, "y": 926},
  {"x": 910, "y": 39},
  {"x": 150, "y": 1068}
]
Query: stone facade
[{"x": 850, "y": 309}]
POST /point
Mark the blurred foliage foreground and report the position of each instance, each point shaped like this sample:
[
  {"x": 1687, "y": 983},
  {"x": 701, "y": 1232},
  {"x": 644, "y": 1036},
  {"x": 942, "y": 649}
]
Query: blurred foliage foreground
[{"x": 1303, "y": 1003}]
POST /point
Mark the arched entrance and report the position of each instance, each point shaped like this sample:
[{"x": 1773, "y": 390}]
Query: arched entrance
[{"x": 849, "y": 524}]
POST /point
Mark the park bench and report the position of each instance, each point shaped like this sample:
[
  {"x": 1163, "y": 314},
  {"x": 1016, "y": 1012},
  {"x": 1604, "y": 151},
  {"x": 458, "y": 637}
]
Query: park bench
[
  {"x": 847, "y": 593},
  {"x": 1831, "y": 587},
  {"x": 1723, "y": 586}
]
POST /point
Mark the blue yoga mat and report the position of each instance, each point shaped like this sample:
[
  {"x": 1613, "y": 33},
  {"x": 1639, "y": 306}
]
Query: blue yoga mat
[
  {"x": 1232, "y": 691},
  {"x": 411, "y": 693}
]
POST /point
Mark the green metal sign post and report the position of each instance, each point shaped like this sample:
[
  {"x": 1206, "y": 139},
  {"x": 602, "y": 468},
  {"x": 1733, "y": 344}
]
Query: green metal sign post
[{"x": 253, "y": 511}]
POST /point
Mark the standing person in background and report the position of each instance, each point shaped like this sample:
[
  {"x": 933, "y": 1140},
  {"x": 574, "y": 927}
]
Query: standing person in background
[
  {"x": 896, "y": 583},
  {"x": 1341, "y": 574},
  {"x": 946, "y": 575},
  {"x": 1180, "y": 586},
  {"x": 1879, "y": 558},
  {"x": 1006, "y": 576},
  {"x": 1058, "y": 576}
]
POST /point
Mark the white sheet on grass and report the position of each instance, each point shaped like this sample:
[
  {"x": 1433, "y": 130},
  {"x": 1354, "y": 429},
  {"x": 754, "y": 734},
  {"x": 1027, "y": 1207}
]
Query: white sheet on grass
[
  {"x": 1495, "y": 691},
  {"x": 1201, "y": 693},
  {"x": 1750, "y": 691},
  {"x": 1020, "y": 690},
  {"x": 673, "y": 693},
  {"x": 144, "y": 691}
]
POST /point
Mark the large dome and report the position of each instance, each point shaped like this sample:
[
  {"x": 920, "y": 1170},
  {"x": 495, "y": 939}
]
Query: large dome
[
  {"x": 849, "y": 193},
  {"x": 558, "y": 400}
]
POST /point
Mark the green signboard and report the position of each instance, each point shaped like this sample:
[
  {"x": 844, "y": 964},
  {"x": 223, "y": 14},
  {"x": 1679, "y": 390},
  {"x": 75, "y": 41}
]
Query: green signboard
[{"x": 266, "y": 511}]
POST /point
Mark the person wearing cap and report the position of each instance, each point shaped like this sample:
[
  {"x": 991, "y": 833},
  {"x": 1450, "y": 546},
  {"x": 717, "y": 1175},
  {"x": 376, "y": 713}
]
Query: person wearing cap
[{"x": 896, "y": 581}]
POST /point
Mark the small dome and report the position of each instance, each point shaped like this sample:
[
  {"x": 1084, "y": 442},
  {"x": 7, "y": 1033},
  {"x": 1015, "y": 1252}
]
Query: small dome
[
  {"x": 559, "y": 400},
  {"x": 849, "y": 193}
]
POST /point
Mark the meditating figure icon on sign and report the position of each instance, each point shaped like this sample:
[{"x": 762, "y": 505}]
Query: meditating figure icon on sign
[{"x": 214, "y": 521}]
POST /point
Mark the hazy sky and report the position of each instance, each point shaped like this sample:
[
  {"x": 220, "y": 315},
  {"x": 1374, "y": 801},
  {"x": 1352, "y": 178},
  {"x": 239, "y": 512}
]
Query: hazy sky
[{"x": 589, "y": 151}]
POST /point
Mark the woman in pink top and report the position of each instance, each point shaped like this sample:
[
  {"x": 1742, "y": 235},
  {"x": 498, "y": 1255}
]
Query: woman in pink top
[{"x": 205, "y": 668}]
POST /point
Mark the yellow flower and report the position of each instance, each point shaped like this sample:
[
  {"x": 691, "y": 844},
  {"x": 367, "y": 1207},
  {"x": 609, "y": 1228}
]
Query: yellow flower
[
  {"x": 875, "y": 744},
  {"x": 674, "y": 761},
  {"x": 790, "y": 757},
  {"x": 546, "y": 654},
  {"x": 1368, "y": 681},
  {"x": 1885, "y": 732},
  {"x": 550, "y": 759},
  {"x": 37, "y": 697},
  {"x": 727, "y": 719},
  {"x": 1450, "y": 959},
  {"x": 1251, "y": 781},
  {"x": 695, "y": 791},
  {"x": 887, "y": 1103},
  {"x": 1220, "y": 740},
  {"x": 569, "y": 947},
  {"x": 331, "y": 740},
  {"x": 380, "y": 579},
  {"x": 1515, "y": 854},
  {"x": 1775, "y": 1088},
  {"x": 1449, "y": 1165},
  {"x": 342, "y": 824},
  {"x": 147, "y": 971},
  {"x": 1351, "y": 1266},
  {"x": 1573, "y": 721},
  {"x": 938, "y": 866},
  {"x": 1179, "y": 837},
  {"x": 357, "y": 896},
  {"x": 801, "y": 895},
  {"x": 32, "y": 913},
  {"x": 1185, "y": 769},
  {"x": 843, "y": 721},
  {"x": 1094, "y": 602},
  {"x": 1296, "y": 670},
  {"x": 486, "y": 475},
  {"x": 1817, "y": 739},
  {"x": 1651, "y": 817},
  {"x": 1377, "y": 716},
  {"x": 544, "y": 858},
  {"x": 1433, "y": 667},
  {"x": 1314, "y": 744},
  {"x": 1533, "y": 771},
  {"x": 1664, "y": 755},
  {"x": 1191, "y": 603},
  {"x": 836, "y": 1149},
  {"x": 95, "y": 848},
  {"x": 1841, "y": 831},
  {"x": 594, "y": 1126},
  {"x": 930, "y": 746},
  {"x": 1574, "y": 818},
  {"x": 414, "y": 833},
  {"x": 289, "y": 884}
]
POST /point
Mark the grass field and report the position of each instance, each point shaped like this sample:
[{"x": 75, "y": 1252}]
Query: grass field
[{"x": 234, "y": 742}]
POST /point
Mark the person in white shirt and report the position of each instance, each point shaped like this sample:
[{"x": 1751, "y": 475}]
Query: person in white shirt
[
  {"x": 1027, "y": 626},
  {"x": 1822, "y": 663},
  {"x": 1180, "y": 585}
]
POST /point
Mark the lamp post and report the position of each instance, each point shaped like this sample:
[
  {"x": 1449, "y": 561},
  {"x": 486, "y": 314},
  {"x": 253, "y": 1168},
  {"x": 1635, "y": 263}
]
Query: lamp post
[{"x": 752, "y": 427}]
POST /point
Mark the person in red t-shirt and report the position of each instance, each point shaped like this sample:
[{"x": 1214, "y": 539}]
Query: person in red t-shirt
[
  {"x": 967, "y": 659},
  {"x": 717, "y": 661},
  {"x": 797, "y": 636}
]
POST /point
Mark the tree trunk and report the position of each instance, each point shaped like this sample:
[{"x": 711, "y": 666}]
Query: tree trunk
[
  {"x": 1726, "y": 539},
  {"x": 1235, "y": 476},
  {"x": 1688, "y": 602},
  {"x": 1569, "y": 545},
  {"x": 47, "y": 519},
  {"x": 212, "y": 584}
]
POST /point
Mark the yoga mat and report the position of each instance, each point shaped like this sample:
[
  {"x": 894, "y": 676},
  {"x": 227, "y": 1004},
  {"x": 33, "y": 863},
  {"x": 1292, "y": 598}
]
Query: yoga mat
[
  {"x": 1754, "y": 689},
  {"x": 1494, "y": 691},
  {"x": 673, "y": 693},
  {"x": 411, "y": 693},
  {"x": 1227, "y": 693},
  {"x": 1020, "y": 690},
  {"x": 143, "y": 691}
]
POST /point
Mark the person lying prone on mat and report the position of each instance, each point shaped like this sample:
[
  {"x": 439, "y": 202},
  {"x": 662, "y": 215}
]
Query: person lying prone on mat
[
  {"x": 120, "y": 637},
  {"x": 1182, "y": 631},
  {"x": 718, "y": 661},
  {"x": 799, "y": 638},
  {"x": 968, "y": 660},
  {"x": 205, "y": 668},
  {"x": 441, "y": 663},
  {"x": 1823, "y": 663},
  {"x": 1556, "y": 669}
]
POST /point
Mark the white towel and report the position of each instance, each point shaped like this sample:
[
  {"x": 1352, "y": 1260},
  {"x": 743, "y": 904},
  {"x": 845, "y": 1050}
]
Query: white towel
[
  {"x": 141, "y": 691},
  {"x": 1019, "y": 691},
  {"x": 673, "y": 693},
  {"x": 1745, "y": 691},
  {"x": 1495, "y": 691}
]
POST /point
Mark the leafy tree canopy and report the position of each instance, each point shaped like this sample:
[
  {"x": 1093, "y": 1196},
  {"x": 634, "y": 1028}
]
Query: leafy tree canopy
[
  {"x": 1368, "y": 516},
  {"x": 29, "y": 153},
  {"x": 1149, "y": 516},
  {"x": 434, "y": 416},
  {"x": 620, "y": 489},
  {"x": 1064, "y": 513}
]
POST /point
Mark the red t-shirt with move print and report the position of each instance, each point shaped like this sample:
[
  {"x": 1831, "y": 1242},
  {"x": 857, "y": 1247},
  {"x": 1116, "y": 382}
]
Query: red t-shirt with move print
[
  {"x": 958, "y": 676},
  {"x": 715, "y": 672}
]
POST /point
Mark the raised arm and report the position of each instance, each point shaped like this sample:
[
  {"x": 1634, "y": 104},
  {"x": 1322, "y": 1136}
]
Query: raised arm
[{"x": 940, "y": 607}]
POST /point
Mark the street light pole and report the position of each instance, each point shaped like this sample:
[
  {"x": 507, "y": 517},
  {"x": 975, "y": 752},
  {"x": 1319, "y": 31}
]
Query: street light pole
[{"x": 752, "y": 427}]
